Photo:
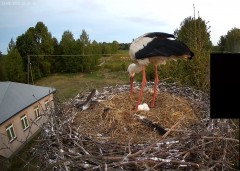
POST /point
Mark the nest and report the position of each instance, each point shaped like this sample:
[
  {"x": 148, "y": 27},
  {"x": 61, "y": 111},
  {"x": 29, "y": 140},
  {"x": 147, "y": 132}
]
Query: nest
[
  {"x": 114, "y": 118},
  {"x": 110, "y": 135}
]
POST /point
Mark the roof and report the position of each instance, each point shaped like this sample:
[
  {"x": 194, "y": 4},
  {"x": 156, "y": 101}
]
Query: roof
[{"x": 15, "y": 97}]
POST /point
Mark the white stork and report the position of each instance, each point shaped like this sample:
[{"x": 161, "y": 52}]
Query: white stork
[{"x": 154, "y": 48}]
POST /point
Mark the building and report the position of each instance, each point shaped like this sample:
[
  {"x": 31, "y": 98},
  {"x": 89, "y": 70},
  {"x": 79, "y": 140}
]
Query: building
[{"x": 23, "y": 108}]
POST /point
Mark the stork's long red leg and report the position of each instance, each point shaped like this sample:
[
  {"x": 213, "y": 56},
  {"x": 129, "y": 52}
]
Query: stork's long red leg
[
  {"x": 155, "y": 86},
  {"x": 142, "y": 87}
]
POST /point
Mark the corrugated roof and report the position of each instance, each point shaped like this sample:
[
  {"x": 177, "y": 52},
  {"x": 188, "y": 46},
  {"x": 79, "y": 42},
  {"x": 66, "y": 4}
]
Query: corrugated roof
[{"x": 15, "y": 97}]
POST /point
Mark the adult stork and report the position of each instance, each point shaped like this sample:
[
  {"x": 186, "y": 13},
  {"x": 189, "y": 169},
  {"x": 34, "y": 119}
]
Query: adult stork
[{"x": 154, "y": 48}]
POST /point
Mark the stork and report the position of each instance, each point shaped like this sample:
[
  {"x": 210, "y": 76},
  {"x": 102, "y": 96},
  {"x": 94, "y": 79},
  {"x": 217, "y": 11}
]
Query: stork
[{"x": 154, "y": 48}]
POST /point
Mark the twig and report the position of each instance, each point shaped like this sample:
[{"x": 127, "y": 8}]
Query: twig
[{"x": 173, "y": 127}]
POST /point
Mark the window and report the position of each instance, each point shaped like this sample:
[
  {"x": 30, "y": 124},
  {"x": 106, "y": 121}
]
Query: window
[
  {"x": 47, "y": 106},
  {"x": 10, "y": 132},
  {"x": 24, "y": 121},
  {"x": 37, "y": 113}
]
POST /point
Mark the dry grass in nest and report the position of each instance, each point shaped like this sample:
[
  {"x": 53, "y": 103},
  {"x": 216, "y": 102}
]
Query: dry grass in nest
[{"x": 115, "y": 119}]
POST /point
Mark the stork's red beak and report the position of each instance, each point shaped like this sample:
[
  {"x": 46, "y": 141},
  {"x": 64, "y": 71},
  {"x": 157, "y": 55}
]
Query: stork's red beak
[{"x": 131, "y": 85}]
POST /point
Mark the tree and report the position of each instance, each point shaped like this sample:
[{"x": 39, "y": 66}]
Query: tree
[
  {"x": 11, "y": 45},
  {"x": 43, "y": 39},
  {"x": 67, "y": 43},
  {"x": 68, "y": 46},
  {"x": 56, "y": 62},
  {"x": 26, "y": 44},
  {"x": 231, "y": 41},
  {"x": 36, "y": 41},
  {"x": 45, "y": 46},
  {"x": 13, "y": 66},
  {"x": 196, "y": 35},
  {"x": 96, "y": 48},
  {"x": 124, "y": 46},
  {"x": 90, "y": 52},
  {"x": 106, "y": 48},
  {"x": 114, "y": 46},
  {"x": 84, "y": 40},
  {"x": 2, "y": 75}
]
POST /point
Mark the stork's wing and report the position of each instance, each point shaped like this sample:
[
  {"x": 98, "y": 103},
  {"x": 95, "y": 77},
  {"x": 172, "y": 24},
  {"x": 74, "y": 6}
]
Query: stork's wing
[
  {"x": 159, "y": 34},
  {"x": 162, "y": 47}
]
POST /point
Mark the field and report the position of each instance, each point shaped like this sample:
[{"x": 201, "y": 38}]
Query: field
[{"x": 112, "y": 71}]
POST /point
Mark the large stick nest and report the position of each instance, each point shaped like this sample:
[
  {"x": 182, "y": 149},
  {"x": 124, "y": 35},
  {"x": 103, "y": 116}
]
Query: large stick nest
[{"x": 110, "y": 135}]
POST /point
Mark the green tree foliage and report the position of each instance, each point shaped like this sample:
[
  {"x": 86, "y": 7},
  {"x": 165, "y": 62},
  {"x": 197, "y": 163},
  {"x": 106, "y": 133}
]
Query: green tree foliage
[
  {"x": 68, "y": 46},
  {"x": 67, "y": 43},
  {"x": 124, "y": 46},
  {"x": 114, "y": 47},
  {"x": 215, "y": 49},
  {"x": 43, "y": 39},
  {"x": 26, "y": 45},
  {"x": 196, "y": 35},
  {"x": 85, "y": 49},
  {"x": 106, "y": 48},
  {"x": 96, "y": 47},
  {"x": 13, "y": 66},
  {"x": 2, "y": 76},
  {"x": 11, "y": 45},
  {"x": 56, "y": 61},
  {"x": 231, "y": 41},
  {"x": 47, "y": 55},
  {"x": 45, "y": 46},
  {"x": 96, "y": 51},
  {"x": 36, "y": 41},
  {"x": 84, "y": 41}
]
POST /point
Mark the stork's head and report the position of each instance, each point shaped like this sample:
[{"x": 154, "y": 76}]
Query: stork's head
[
  {"x": 130, "y": 70},
  {"x": 134, "y": 68}
]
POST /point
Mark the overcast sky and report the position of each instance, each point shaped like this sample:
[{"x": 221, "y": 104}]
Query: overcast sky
[{"x": 109, "y": 20}]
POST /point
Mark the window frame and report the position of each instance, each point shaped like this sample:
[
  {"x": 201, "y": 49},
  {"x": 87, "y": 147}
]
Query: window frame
[
  {"x": 24, "y": 121},
  {"x": 47, "y": 104},
  {"x": 37, "y": 112},
  {"x": 11, "y": 133}
]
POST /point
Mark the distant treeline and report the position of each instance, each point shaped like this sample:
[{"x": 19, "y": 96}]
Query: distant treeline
[{"x": 47, "y": 55}]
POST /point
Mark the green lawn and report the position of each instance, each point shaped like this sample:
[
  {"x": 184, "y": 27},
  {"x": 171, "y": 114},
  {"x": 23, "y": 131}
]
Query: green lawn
[{"x": 69, "y": 85}]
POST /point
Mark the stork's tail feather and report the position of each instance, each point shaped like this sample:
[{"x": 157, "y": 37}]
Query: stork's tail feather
[
  {"x": 88, "y": 101},
  {"x": 152, "y": 125}
]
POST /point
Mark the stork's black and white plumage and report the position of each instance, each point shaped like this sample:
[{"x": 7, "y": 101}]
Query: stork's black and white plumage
[{"x": 154, "y": 48}]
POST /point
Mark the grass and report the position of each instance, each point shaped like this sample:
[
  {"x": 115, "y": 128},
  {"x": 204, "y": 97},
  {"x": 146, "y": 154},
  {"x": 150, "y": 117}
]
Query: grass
[
  {"x": 69, "y": 85},
  {"x": 111, "y": 72}
]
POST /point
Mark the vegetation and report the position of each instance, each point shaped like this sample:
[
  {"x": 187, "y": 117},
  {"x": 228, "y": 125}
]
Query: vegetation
[
  {"x": 231, "y": 41},
  {"x": 110, "y": 71},
  {"x": 13, "y": 66},
  {"x": 46, "y": 55}
]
